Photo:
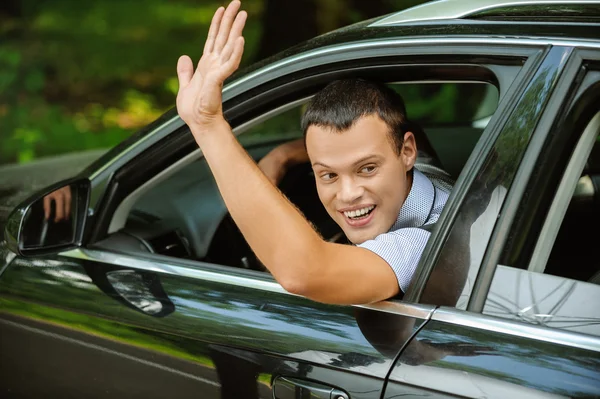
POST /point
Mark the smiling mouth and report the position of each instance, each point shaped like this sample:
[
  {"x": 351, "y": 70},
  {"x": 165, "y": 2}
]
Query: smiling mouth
[{"x": 359, "y": 214}]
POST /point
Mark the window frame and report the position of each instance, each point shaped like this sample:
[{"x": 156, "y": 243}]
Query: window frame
[{"x": 475, "y": 169}]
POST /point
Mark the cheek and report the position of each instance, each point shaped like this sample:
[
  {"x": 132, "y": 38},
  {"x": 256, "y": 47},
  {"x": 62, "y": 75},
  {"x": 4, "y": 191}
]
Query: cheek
[
  {"x": 323, "y": 193},
  {"x": 326, "y": 194},
  {"x": 390, "y": 189}
]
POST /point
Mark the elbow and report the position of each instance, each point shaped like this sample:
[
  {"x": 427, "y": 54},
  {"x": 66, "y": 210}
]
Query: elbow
[
  {"x": 312, "y": 290},
  {"x": 302, "y": 277},
  {"x": 296, "y": 285}
]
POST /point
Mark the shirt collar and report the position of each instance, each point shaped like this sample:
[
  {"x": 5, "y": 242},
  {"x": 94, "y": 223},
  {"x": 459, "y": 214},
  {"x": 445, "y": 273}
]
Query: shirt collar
[{"x": 418, "y": 203}]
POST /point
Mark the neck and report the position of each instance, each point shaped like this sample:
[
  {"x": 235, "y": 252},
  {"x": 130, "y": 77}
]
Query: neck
[{"x": 409, "y": 180}]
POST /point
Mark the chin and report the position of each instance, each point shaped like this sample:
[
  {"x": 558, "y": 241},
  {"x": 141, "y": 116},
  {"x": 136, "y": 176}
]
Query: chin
[{"x": 357, "y": 237}]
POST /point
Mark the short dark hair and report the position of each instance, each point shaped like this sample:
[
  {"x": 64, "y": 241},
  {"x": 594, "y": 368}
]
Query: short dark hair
[{"x": 342, "y": 102}]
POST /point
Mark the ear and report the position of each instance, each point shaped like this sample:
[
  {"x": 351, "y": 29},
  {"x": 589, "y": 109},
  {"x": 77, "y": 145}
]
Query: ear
[{"x": 409, "y": 151}]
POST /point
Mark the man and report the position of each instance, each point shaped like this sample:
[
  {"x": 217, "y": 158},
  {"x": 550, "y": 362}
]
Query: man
[{"x": 363, "y": 162}]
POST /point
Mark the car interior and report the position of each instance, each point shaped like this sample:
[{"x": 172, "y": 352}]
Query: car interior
[
  {"x": 180, "y": 213},
  {"x": 573, "y": 241}
]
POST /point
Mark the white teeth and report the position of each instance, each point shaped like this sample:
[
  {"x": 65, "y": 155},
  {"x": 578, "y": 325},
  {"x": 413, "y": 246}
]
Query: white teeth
[{"x": 359, "y": 212}]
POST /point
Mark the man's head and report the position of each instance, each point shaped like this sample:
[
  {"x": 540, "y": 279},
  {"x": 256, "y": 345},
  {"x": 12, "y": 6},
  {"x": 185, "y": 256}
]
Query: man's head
[{"x": 361, "y": 152}]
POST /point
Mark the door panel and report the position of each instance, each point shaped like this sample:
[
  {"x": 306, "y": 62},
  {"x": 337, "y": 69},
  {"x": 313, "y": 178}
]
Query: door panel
[
  {"x": 448, "y": 360},
  {"x": 92, "y": 329}
]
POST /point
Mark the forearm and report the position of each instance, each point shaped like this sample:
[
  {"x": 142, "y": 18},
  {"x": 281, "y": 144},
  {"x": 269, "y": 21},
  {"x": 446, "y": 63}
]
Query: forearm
[
  {"x": 294, "y": 153},
  {"x": 276, "y": 231}
]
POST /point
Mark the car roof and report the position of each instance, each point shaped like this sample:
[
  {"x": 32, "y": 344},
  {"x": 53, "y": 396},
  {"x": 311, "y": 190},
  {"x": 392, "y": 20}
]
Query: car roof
[
  {"x": 572, "y": 20},
  {"x": 526, "y": 9}
]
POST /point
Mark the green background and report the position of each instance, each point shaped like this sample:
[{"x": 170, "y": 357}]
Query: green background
[{"x": 78, "y": 75}]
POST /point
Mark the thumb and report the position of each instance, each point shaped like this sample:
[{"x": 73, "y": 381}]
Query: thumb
[{"x": 185, "y": 71}]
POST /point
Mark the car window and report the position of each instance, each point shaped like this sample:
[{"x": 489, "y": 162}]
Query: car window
[
  {"x": 184, "y": 216},
  {"x": 561, "y": 286},
  {"x": 453, "y": 115},
  {"x": 181, "y": 214},
  {"x": 434, "y": 103},
  {"x": 435, "y": 106},
  {"x": 284, "y": 125}
]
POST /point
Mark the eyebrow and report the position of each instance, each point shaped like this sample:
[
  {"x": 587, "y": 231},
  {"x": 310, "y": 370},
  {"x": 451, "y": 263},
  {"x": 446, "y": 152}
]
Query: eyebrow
[{"x": 363, "y": 159}]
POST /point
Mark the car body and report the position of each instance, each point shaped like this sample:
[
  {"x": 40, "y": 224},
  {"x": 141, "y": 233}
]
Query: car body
[{"x": 149, "y": 290}]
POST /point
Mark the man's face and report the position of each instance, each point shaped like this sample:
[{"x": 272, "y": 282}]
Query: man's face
[{"x": 361, "y": 180}]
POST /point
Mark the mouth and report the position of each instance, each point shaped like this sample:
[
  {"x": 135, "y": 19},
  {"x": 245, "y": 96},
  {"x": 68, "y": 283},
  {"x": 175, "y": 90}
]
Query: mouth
[{"x": 359, "y": 217}]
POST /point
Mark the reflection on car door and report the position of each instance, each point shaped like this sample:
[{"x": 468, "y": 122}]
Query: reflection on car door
[
  {"x": 169, "y": 330},
  {"x": 462, "y": 354}
]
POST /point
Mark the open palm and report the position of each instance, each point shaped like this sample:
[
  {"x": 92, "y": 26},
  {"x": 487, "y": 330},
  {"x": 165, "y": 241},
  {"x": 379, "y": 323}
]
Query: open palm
[{"x": 199, "y": 98}]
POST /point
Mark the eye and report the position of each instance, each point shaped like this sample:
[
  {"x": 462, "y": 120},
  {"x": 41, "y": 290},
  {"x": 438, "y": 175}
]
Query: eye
[
  {"x": 368, "y": 169},
  {"x": 328, "y": 176}
]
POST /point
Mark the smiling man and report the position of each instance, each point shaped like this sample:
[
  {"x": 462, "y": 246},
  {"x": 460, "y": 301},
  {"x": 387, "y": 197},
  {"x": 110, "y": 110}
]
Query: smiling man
[{"x": 363, "y": 158}]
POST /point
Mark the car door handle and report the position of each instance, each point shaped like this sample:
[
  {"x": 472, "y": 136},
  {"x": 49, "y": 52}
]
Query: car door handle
[{"x": 293, "y": 388}]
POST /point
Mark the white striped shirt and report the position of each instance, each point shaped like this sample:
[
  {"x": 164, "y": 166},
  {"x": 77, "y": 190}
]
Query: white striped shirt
[{"x": 402, "y": 246}]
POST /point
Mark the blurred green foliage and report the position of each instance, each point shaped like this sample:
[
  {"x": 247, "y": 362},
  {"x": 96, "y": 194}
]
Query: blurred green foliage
[{"x": 83, "y": 75}]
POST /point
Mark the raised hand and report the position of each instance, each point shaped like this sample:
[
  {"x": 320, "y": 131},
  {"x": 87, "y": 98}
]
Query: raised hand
[{"x": 199, "y": 101}]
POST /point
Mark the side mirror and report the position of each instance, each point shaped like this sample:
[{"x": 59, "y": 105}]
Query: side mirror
[{"x": 51, "y": 221}]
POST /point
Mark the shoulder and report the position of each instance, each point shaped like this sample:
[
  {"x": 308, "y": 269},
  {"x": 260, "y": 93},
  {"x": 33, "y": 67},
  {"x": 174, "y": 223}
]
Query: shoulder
[
  {"x": 401, "y": 249},
  {"x": 439, "y": 177}
]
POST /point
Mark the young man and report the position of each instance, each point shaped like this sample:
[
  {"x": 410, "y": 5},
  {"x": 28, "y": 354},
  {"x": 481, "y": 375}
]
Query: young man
[{"x": 363, "y": 162}]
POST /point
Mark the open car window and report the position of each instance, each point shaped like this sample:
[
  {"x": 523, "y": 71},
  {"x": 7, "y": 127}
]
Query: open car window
[{"x": 180, "y": 212}]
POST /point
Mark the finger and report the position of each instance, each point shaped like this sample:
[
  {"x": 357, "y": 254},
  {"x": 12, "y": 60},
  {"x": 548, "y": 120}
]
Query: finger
[
  {"x": 236, "y": 31},
  {"x": 185, "y": 71},
  {"x": 236, "y": 57},
  {"x": 213, "y": 30},
  {"x": 60, "y": 211},
  {"x": 225, "y": 26},
  {"x": 47, "y": 207},
  {"x": 67, "y": 204}
]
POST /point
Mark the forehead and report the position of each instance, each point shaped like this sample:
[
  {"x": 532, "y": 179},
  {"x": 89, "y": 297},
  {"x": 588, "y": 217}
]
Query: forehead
[{"x": 369, "y": 135}]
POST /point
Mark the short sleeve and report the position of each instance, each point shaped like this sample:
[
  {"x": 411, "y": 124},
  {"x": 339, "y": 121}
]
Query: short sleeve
[{"x": 401, "y": 249}]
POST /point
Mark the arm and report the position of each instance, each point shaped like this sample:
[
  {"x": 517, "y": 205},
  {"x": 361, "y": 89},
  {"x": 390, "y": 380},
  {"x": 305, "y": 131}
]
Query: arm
[
  {"x": 279, "y": 235},
  {"x": 277, "y": 162}
]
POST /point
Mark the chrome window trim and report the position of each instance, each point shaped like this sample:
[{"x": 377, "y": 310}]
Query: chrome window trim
[
  {"x": 564, "y": 193},
  {"x": 170, "y": 266},
  {"x": 120, "y": 216},
  {"x": 456, "y": 9},
  {"x": 258, "y": 77},
  {"x": 503, "y": 326}
]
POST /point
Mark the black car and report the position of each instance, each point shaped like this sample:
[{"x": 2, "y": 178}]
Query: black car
[{"x": 148, "y": 289}]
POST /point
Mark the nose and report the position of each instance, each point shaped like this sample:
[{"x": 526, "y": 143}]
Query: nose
[{"x": 349, "y": 190}]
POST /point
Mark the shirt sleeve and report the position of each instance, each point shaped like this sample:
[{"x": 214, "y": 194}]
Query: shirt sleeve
[{"x": 401, "y": 249}]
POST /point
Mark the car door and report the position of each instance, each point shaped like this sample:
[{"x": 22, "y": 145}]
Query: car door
[
  {"x": 129, "y": 315},
  {"x": 527, "y": 322},
  {"x": 114, "y": 321}
]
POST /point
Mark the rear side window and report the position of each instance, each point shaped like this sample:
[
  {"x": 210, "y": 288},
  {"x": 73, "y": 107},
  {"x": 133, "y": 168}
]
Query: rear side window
[{"x": 561, "y": 286}]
